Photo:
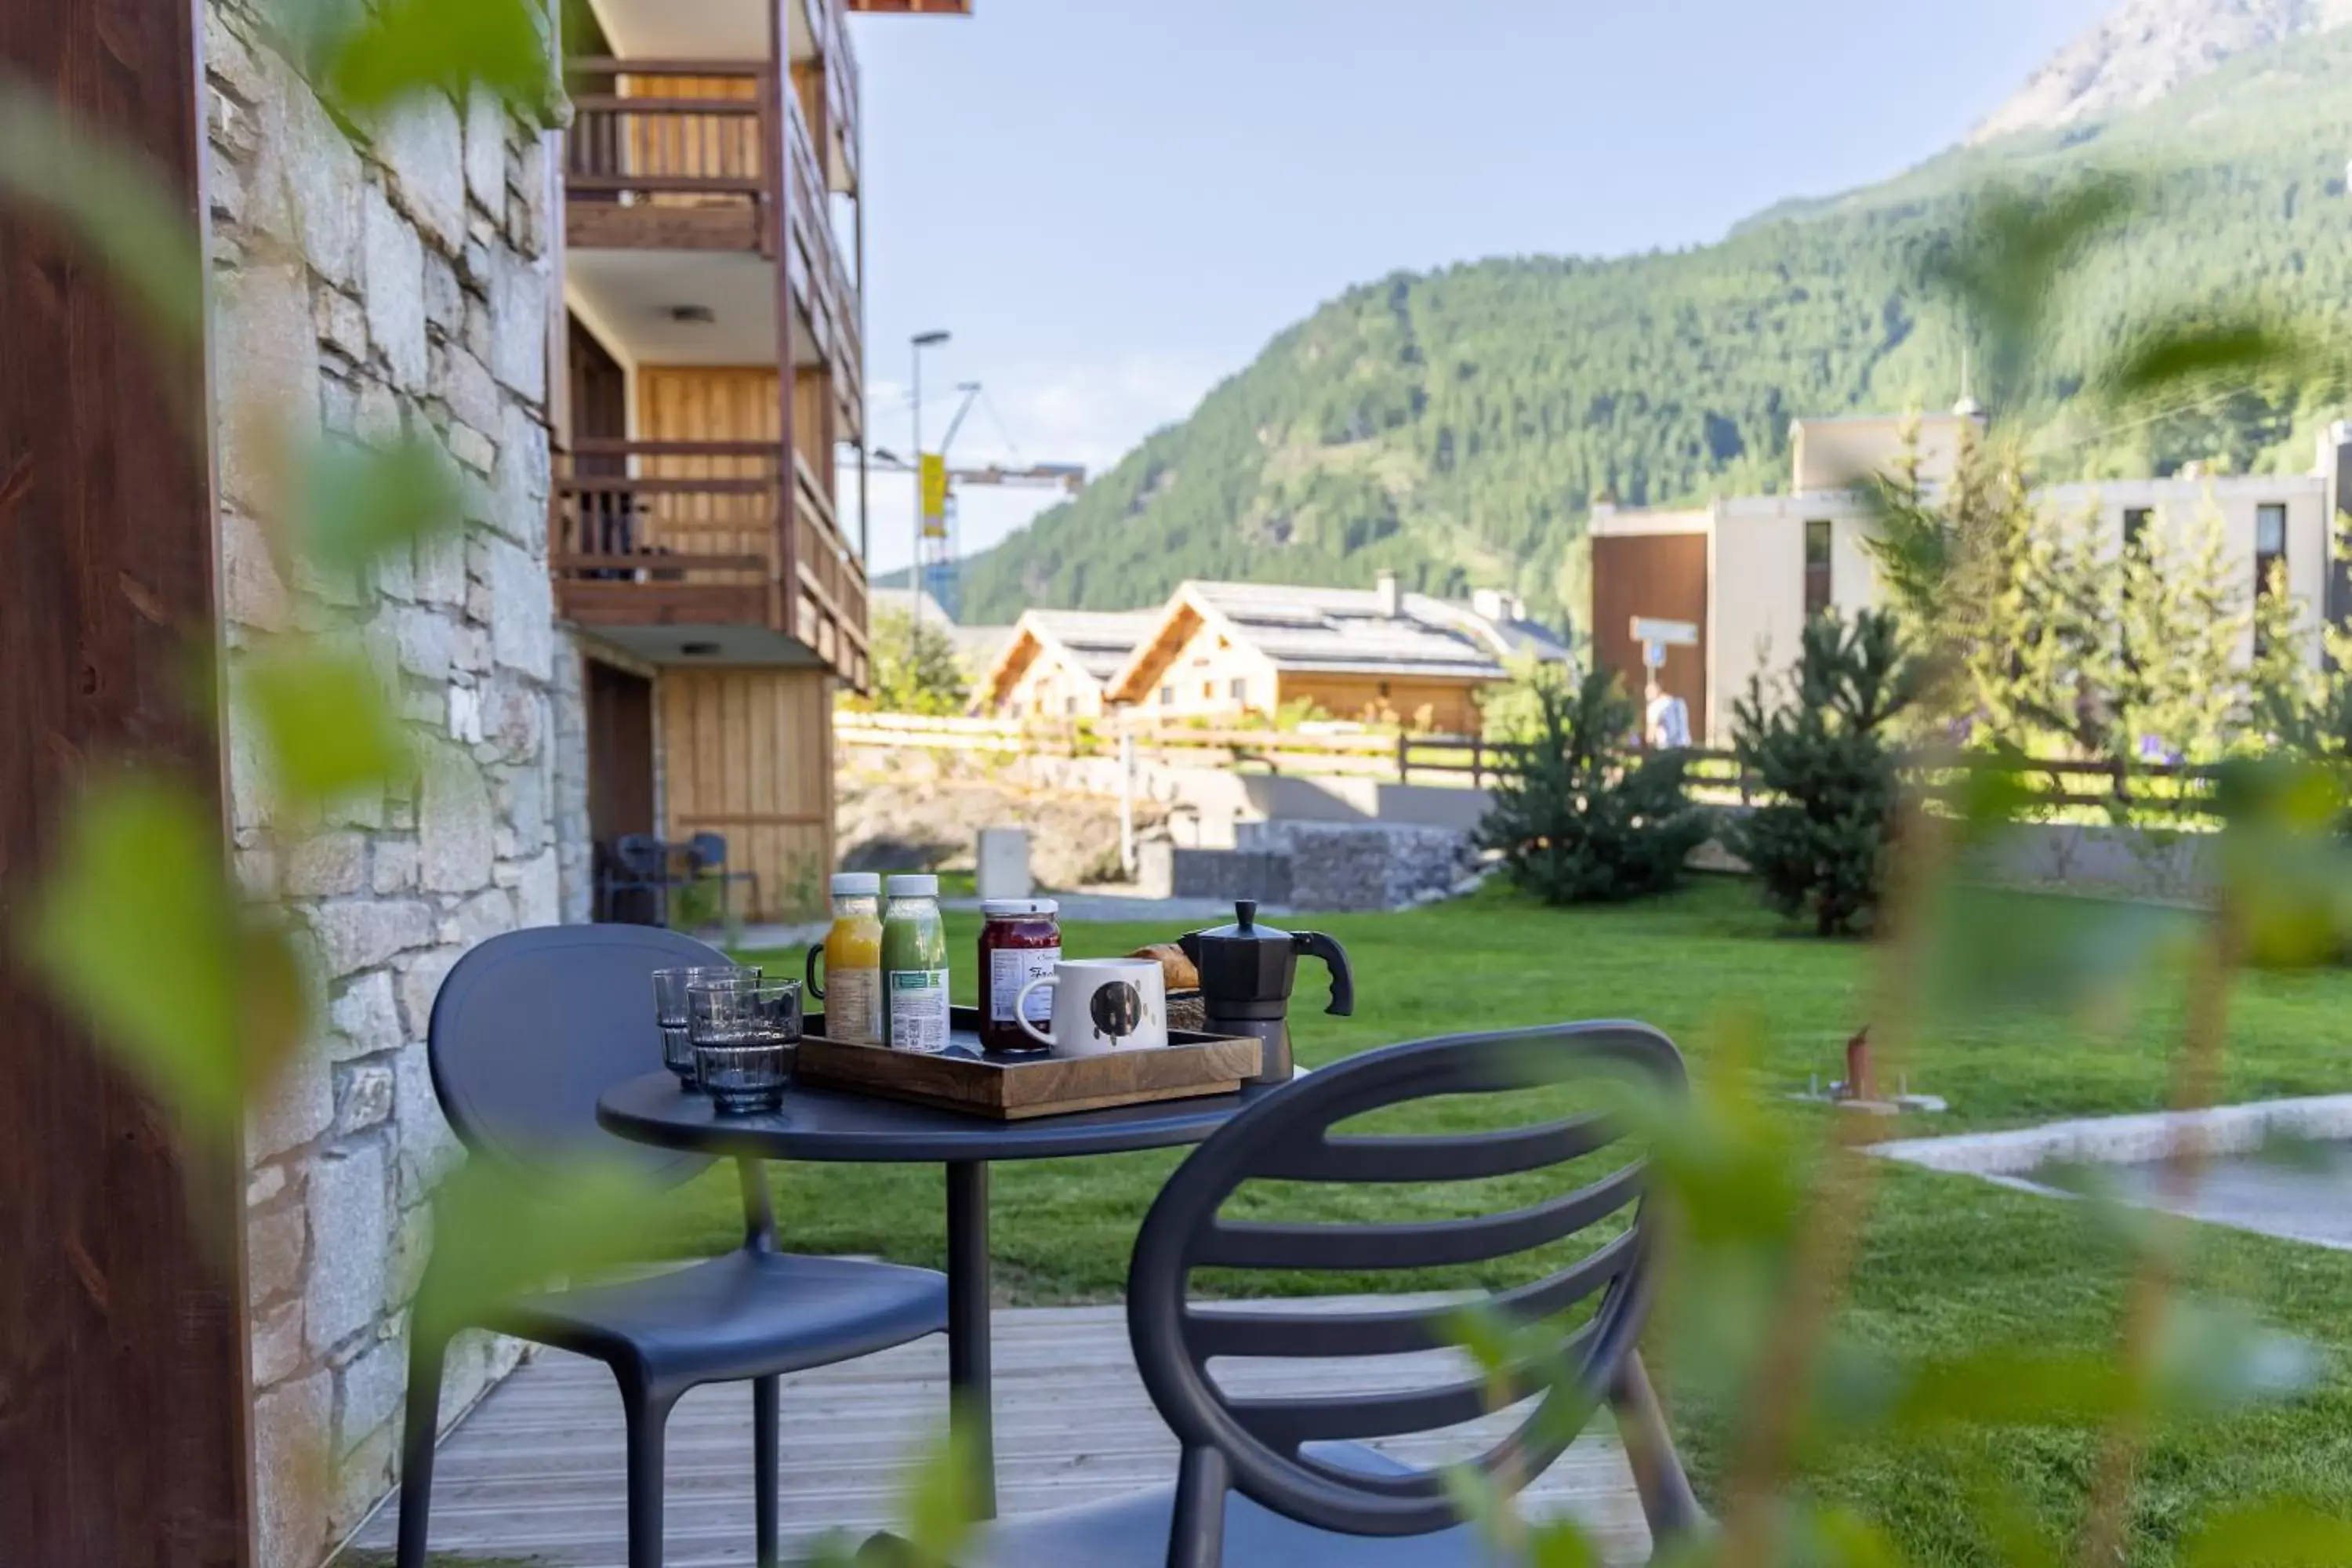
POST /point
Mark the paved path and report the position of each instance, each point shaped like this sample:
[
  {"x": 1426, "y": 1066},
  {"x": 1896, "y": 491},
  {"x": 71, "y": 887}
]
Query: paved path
[{"x": 535, "y": 1470}]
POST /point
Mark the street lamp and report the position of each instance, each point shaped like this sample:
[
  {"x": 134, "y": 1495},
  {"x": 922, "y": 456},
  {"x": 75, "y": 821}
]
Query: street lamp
[{"x": 921, "y": 341}]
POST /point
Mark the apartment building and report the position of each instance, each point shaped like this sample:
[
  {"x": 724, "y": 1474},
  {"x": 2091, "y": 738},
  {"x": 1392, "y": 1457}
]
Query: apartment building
[
  {"x": 708, "y": 523},
  {"x": 1746, "y": 572}
]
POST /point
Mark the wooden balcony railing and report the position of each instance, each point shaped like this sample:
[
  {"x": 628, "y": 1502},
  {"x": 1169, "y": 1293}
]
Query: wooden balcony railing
[
  {"x": 673, "y": 155},
  {"x": 694, "y": 533}
]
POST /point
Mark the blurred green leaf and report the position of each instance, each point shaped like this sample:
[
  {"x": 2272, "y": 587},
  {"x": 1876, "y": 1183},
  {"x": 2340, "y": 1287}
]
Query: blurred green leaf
[
  {"x": 2188, "y": 354},
  {"x": 2008, "y": 1385},
  {"x": 325, "y": 718},
  {"x": 113, "y": 202},
  {"x": 217, "y": 1001},
  {"x": 2285, "y": 861},
  {"x": 1562, "y": 1543},
  {"x": 499, "y": 1233},
  {"x": 371, "y": 57},
  {"x": 2000, "y": 949},
  {"x": 936, "y": 1512},
  {"x": 2215, "y": 1357},
  {"x": 2005, "y": 267},
  {"x": 2283, "y": 1533},
  {"x": 360, "y": 504}
]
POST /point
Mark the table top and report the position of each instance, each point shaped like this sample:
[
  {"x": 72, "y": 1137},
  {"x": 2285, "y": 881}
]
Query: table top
[{"x": 834, "y": 1124}]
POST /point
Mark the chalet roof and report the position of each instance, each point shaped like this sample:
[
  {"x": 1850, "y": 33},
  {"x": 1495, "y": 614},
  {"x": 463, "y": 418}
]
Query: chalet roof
[
  {"x": 1096, "y": 643},
  {"x": 1349, "y": 631}
]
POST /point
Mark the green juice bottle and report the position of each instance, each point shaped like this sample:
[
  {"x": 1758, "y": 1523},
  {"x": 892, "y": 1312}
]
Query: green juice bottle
[{"x": 914, "y": 967}]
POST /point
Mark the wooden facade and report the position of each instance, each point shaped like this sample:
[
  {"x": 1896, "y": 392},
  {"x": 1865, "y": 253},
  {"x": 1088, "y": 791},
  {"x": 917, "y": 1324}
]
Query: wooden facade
[
  {"x": 747, "y": 753},
  {"x": 1659, "y": 576},
  {"x": 123, "y": 1416}
]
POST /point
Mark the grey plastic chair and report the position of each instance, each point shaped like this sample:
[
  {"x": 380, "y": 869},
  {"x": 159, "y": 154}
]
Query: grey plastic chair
[
  {"x": 1287, "y": 1480},
  {"x": 529, "y": 1031}
]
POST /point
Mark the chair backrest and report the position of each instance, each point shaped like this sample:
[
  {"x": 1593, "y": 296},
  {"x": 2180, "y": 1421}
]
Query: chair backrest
[
  {"x": 532, "y": 1026},
  {"x": 707, "y": 851},
  {"x": 1269, "y": 1443},
  {"x": 642, "y": 855}
]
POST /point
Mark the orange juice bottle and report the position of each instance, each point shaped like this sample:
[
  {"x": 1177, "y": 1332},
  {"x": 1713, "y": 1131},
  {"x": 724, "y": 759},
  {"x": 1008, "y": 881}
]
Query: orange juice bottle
[{"x": 851, "y": 952}]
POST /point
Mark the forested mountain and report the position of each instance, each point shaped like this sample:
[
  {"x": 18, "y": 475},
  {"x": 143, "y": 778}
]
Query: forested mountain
[{"x": 1457, "y": 424}]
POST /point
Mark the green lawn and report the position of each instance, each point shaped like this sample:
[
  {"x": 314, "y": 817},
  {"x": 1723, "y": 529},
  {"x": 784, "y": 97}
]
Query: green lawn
[{"x": 1951, "y": 1261}]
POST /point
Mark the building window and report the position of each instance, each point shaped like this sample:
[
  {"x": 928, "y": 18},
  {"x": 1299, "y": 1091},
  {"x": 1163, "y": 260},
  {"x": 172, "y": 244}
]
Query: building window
[
  {"x": 1208, "y": 692},
  {"x": 1069, "y": 707},
  {"x": 1237, "y": 688},
  {"x": 1817, "y": 566},
  {"x": 1168, "y": 696},
  {"x": 1384, "y": 689},
  {"x": 2135, "y": 522},
  {"x": 2270, "y": 546}
]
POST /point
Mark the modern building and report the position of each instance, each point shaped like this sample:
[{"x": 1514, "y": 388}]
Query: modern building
[
  {"x": 1059, "y": 664},
  {"x": 1223, "y": 649},
  {"x": 1746, "y": 572},
  {"x": 708, "y": 531}
]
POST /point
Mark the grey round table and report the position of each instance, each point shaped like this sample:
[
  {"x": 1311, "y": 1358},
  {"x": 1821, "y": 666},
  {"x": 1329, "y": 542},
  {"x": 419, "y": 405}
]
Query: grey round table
[{"x": 830, "y": 1124}]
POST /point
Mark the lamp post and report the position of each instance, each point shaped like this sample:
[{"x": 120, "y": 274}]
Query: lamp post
[{"x": 921, "y": 341}]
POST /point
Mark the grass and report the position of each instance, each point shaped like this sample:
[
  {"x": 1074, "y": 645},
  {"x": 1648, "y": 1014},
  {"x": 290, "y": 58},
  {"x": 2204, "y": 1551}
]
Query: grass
[{"x": 1949, "y": 1261}]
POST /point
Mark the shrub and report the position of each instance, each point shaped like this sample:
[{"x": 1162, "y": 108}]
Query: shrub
[
  {"x": 1821, "y": 759},
  {"x": 1579, "y": 817}
]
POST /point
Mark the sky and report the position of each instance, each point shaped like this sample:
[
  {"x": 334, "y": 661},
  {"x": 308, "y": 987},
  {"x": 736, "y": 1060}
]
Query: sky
[{"x": 1113, "y": 205}]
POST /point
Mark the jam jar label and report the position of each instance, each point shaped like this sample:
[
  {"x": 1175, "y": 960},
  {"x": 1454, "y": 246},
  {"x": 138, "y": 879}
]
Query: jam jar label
[{"x": 1011, "y": 968}]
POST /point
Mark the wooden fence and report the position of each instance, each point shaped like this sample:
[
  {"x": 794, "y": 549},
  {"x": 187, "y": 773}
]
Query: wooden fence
[{"x": 1470, "y": 761}]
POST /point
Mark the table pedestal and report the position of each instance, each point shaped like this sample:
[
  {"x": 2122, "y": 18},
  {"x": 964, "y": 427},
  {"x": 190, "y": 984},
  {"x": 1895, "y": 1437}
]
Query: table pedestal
[{"x": 971, "y": 1411}]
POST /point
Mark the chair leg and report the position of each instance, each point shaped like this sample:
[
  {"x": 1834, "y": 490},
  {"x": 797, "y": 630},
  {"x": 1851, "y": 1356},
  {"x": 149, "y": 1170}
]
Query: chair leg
[
  {"x": 648, "y": 1423},
  {"x": 765, "y": 1464},
  {"x": 1667, "y": 1502},
  {"x": 420, "y": 1424},
  {"x": 1196, "y": 1534}
]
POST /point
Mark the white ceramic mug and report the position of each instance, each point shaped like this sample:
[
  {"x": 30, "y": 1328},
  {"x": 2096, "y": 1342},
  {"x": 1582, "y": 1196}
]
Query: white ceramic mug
[{"x": 1101, "y": 1004}]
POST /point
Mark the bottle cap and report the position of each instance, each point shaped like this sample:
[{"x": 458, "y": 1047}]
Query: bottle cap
[
  {"x": 857, "y": 885},
  {"x": 1018, "y": 908},
  {"x": 913, "y": 887}
]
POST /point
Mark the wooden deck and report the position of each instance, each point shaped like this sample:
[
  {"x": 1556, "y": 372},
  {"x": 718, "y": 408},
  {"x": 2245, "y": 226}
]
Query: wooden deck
[{"x": 535, "y": 1470}]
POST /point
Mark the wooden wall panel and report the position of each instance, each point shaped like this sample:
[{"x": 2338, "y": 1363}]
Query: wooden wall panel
[
  {"x": 123, "y": 1432},
  {"x": 722, "y": 404},
  {"x": 692, "y": 144},
  {"x": 1662, "y": 576},
  {"x": 748, "y": 753}
]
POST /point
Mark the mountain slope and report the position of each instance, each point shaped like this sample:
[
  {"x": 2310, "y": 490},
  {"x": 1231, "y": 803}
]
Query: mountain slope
[
  {"x": 1456, "y": 425},
  {"x": 2145, "y": 51}
]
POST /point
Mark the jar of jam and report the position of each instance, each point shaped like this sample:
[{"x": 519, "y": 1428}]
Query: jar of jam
[{"x": 1021, "y": 940}]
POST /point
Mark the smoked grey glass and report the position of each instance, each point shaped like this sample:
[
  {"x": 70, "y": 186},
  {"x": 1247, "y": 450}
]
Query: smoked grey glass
[
  {"x": 670, "y": 986},
  {"x": 746, "y": 1039}
]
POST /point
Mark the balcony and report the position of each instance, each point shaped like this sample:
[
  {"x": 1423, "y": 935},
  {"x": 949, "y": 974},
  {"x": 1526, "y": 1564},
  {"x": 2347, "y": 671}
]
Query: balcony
[
  {"x": 680, "y": 551},
  {"x": 680, "y": 155}
]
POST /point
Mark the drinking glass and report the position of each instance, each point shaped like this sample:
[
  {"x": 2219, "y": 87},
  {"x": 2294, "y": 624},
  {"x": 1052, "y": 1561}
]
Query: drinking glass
[
  {"x": 746, "y": 1039},
  {"x": 670, "y": 986}
]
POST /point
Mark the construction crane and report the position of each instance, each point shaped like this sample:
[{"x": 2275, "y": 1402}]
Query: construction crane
[{"x": 936, "y": 571}]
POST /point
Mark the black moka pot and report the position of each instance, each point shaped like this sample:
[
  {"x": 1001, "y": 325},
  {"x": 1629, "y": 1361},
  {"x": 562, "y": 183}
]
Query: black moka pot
[{"x": 1246, "y": 970}]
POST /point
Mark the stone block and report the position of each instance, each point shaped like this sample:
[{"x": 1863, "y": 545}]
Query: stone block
[
  {"x": 366, "y": 1017},
  {"x": 368, "y": 1391},
  {"x": 363, "y": 1097},
  {"x": 420, "y": 983},
  {"x": 277, "y": 1343},
  {"x": 229, "y": 60},
  {"x": 514, "y": 719},
  {"x": 342, "y": 324},
  {"x": 398, "y": 867},
  {"x": 423, "y": 146},
  {"x": 523, "y": 478},
  {"x": 486, "y": 150},
  {"x": 537, "y": 894},
  {"x": 295, "y": 1107},
  {"x": 441, "y": 569},
  {"x": 445, "y": 297},
  {"x": 461, "y": 381},
  {"x": 469, "y": 650},
  {"x": 309, "y": 166},
  {"x": 522, "y": 629},
  {"x": 411, "y": 1247},
  {"x": 356, "y": 934},
  {"x": 427, "y": 1148},
  {"x": 266, "y": 361},
  {"x": 453, "y": 823},
  {"x": 290, "y": 1446},
  {"x": 362, "y": 1477},
  {"x": 522, "y": 805},
  {"x": 473, "y": 449},
  {"x": 378, "y": 421},
  {"x": 326, "y": 865},
  {"x": 395, "y": 291},
  {"x": 252, "y": 592},
  {"x": 273, "y": 1252},
  {"x": 264, "y": 1185},
  {"x": 422, "y": 635},
  {"x": 479, "y": 918},
  {"x": 518, "y": 296},
  {"x": 351, "y": 1239}
]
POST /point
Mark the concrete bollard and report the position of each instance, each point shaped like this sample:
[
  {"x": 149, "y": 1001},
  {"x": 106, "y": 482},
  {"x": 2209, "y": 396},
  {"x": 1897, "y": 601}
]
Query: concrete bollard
[{"x": 1003, "y": 859}]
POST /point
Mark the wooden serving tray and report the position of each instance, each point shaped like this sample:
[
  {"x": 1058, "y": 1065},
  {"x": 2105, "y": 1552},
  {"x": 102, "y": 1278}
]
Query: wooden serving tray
[{"x": 1013, "y": 1088}]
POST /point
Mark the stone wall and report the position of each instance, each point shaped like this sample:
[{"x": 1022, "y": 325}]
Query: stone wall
[{"x": 377, "y": 283}]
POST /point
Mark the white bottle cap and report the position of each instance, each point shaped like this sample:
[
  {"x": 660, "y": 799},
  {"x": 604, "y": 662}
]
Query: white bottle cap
[
  {"x": 857, "y": 885},
  {"x": 924, "y": 886}
]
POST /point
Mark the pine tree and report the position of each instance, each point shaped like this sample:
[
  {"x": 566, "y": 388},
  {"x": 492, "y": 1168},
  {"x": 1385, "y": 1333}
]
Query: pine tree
[{"x": 1578, "y": 815}]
